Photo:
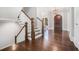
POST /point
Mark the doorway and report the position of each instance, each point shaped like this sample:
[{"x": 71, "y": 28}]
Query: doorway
[
  {"x": 58, "y": 23},
  {"x": 45, "y": 23}
]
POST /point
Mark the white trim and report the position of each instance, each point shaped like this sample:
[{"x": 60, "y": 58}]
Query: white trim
[
  {"x": 71, "y": 37},
  {"x": 8, "y": 19},
  {"x": 76, "y": 45},
  {"x": 65, "y": 29},
  {"x": 50, "y": 28},
  {"x": 5, "y": 46}
]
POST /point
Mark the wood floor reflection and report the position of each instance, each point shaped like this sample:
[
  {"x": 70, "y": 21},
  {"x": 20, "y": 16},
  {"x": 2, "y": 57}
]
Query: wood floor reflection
[{"x": 52, "y": 41}]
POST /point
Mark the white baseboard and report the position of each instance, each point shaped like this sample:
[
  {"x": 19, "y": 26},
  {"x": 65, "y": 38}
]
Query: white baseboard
[
  {"x": 5, "y": 46},
  {"x": 76, "y": 45},
  {"x": 64, "y": 29},
  {"x": 50, "y": 28},
  {"x": 73, "y": 40}
]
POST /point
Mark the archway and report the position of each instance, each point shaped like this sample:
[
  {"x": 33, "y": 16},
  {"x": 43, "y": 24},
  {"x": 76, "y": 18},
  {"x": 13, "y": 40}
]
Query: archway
[
  {"x": 45, "y": 23},
  {"x": 58, "y": 23}
]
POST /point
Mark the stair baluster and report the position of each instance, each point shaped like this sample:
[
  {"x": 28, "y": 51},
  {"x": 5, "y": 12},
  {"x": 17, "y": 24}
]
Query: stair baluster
[{"x": 26, "y": 36}]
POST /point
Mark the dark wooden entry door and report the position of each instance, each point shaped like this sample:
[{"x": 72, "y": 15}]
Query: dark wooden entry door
[{"x": 58, "y": 23}]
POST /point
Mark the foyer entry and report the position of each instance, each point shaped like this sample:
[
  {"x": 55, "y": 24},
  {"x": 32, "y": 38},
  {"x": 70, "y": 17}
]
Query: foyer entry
[
  {"x": 49, "y": 40},
  {"x": 57, "y": 23}
]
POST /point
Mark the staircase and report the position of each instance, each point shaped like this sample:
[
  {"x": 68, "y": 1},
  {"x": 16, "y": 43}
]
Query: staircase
[
  {"x": 38, "y": 33},
  {"x": 32, "y": 32}
]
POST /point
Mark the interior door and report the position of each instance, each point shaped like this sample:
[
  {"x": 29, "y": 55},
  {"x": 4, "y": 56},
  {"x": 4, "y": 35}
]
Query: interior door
[{"x": 58, "y": 23}]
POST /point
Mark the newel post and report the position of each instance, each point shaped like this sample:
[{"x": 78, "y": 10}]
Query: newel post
[
  {"x": 43, "y": 27},
  {"x": 26, "y": 32},
  {"x": 32, "y": 29}
]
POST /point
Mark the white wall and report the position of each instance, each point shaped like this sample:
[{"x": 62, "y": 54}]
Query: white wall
[
  {"x": 8, "y": 31},
  {"x": 8, "y": 27},
  {"x": 70, "y": 23},
  {"x": 76, "y": 27},
  {"x": 48, "y": 12},
  {"x": 73, "y": 26}
]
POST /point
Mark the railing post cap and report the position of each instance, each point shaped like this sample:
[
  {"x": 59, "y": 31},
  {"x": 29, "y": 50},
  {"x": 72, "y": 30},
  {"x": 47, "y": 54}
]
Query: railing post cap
[
  {"x": 32, "y": 18},
  {"x": 26, "y": 23}
]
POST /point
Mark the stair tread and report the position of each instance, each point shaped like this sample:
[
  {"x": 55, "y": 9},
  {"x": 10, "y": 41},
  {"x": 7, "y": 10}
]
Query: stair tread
[
  {"x": 35, "y": 36},
  {"x": 35, "y": 29},
  {"x": 37, "y": 33}
]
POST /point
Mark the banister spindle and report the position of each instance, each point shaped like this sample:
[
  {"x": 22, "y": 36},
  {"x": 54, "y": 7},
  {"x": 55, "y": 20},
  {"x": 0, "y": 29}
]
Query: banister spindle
[{"x": 26, "y": 36}]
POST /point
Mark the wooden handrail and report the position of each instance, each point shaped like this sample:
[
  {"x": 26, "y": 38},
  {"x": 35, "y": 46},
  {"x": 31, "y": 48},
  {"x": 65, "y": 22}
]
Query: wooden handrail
[
  {"x": 20, "y": 32},
  {"x": 26, "y": 14},
  {"x": 38, "y": 18},
  {"x": 32, "y": 26}
]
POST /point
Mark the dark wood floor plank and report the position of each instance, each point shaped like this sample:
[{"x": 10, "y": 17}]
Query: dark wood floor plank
[{"x": 52, "y": 41}]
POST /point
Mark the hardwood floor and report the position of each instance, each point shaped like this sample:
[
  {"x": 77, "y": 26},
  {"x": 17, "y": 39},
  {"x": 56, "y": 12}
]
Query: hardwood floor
[{"x": 52, "y": 41}]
